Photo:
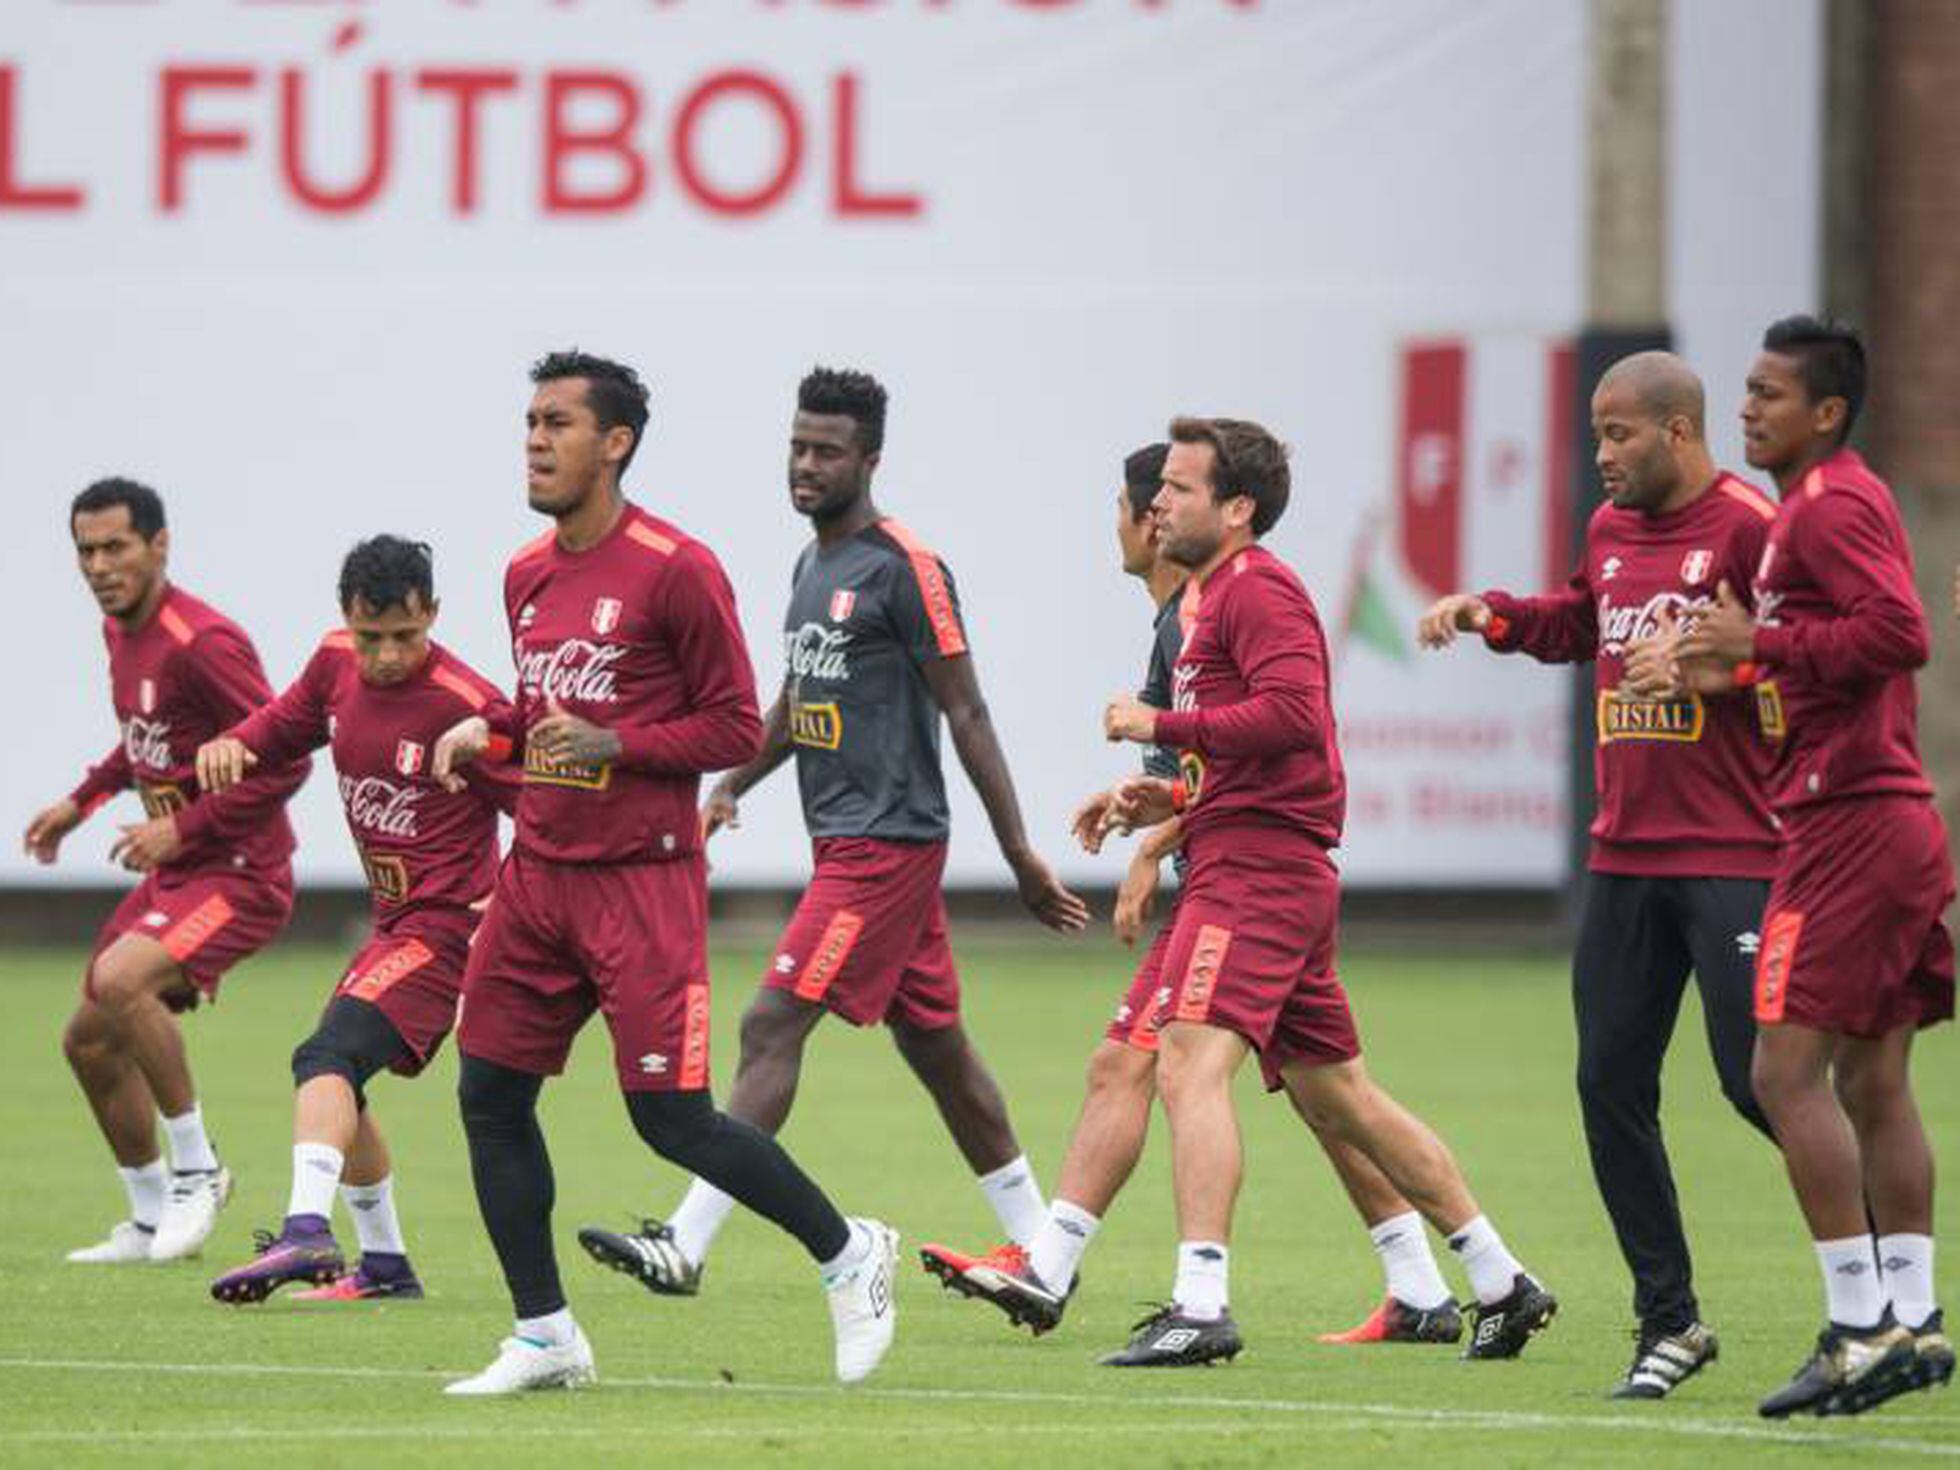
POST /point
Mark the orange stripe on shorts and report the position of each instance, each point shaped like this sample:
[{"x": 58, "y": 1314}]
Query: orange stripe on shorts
[
  {"x": 832, "y": 950},
  {"x": 694, "y": 1040},
  {"x": 1773, "y": 964},
  {"x": 390, "y": 970},
  {"x": 1201, "y": 975},
  {"x": 190, "y": 933}
]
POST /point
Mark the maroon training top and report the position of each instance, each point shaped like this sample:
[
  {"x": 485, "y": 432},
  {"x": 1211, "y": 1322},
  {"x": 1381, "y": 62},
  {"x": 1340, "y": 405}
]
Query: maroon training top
[
  {"x": 423, "y": 848},
  {"x": 1840, "y": 633},
  {"x": 1682, "y": 783},
  {"x": 639, "y": 634},
  {"x": 180, "y": 679},
  {"x": 1250, "y": 710}
]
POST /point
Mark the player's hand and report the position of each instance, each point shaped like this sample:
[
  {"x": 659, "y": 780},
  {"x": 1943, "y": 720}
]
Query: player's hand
[
  {"x": 1086, "y": 822},
  {"x": 145, "y": 846},
  {"x": 1139, "y": 801},
  {"x": 718, "y": 811},
  {"x": 572, "y": 739},
  {"x": 1136, "y": 898},
  {"x": 1649, "y": 667},
  {"x": 222, "y": 763},
  {"x": 456, "y": 747},
  {"x": 50, "y": 825},
  {"x": 1045, "y": 897},
  {"x": 1128, "y": 718},
  {"x": 1724, "y": 634},
  {"x": 1460, "y": 612}
]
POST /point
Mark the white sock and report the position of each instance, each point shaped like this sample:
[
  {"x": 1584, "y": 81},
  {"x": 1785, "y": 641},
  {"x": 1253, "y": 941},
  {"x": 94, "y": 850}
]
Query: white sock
[
  {"x": 1407, "y": 1263},
  {"x": 1016, "y": 1197},
  {"x": 1905, "y": 1264},
  {"x": 145, "y": 1186},
  {"x": 1200, "y": 1288},
  {"x": 1057, "y": 1247},
  {"x": 703, "y": 1211},
  {"x": 556, "y": 1330},
  {"x": 316, "y": 1173},
  {"x": 190, "y": 1150},
  {"x": 854, "y": 1253},
  {"x": 373, "y": 1209},
  {"x": 1852, "y": 1292},
  {"x": 1493, "y": 1270}
]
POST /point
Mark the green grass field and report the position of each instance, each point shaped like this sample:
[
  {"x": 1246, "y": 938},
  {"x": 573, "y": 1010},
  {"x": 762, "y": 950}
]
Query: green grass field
[{"x": 119, "y": 1363}]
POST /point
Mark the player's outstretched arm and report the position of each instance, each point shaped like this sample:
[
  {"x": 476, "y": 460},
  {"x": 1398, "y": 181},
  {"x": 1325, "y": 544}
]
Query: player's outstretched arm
[
  {"x": 48, "y": 827},
  {"x": 1137, "y": 895},
  {"x": 456, "y": 747},
  {"x": 956, "y": 688},
  {"x": 222, "y": 763},
  {"x": 1460, "y": 612},
  {"x": 723, "y": 806}
]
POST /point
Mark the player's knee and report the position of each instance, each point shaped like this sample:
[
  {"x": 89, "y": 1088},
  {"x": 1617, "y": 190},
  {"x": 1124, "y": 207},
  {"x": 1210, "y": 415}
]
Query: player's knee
[
  {"x": 674, "y": 1125},
  {"x": 86, "y": 1040},
  {"x": 119, "y": 985},
  {"x": 318, "y": 1056},
  {"x": 495, "y": 1099},
  {"x": 769, "y": 1032},
  {"x": 1866, "y": 1094},
  {"x": 1117, "y": 1071}
]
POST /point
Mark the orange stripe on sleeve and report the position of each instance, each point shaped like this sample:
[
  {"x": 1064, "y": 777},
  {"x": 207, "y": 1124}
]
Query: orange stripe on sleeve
[
  {"x": 832, "y": 950},
  {"x": 1201, "y": 974},
  {"x": 192, "y": 932},
  {"x": 1773, "y": 964},
  {"x": 457, "y": 685},
  {"x": 537, "y": 546},
  {"x": 1741, "y": 490},
  {"x": 340, "y": 638},
  {"x": 649, "y": 538},
  {"x": 174, "y": 624},
  {"x": 938, "y": 598},
  {"x": 694, "y": 1040}
]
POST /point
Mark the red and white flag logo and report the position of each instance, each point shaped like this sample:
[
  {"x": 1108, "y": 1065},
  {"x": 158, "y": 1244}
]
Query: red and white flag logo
[
  {"x": 146, "y": 696},
  {"x": 605, "y": 615},
  {"x": 1695, "y": 565},
  {"x": 841, "y": 603},
  {"x": 408, "y": 756}
]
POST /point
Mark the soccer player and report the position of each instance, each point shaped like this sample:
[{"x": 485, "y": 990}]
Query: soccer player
[
  {"x": 632, "y": 680},
  {"x": 217, "y": 881},
  {"x": 381, "y": 693},
  {"x": 1110, "y": 1130},
  {"x": 1250, "y": 957},
  {"x": 876, "y": 653},
  {"x": 1683, "y": 843},
  {"x": 1855, "y": 956}
]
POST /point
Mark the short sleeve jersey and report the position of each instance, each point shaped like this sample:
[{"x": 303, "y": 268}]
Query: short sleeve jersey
[{"x": 865, "y": 618}]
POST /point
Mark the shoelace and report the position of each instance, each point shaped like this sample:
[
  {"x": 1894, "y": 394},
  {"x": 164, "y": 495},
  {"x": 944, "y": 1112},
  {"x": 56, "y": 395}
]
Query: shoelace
[
  {"x": 1159, "y": 1312},
  {"x": 263, "y": 1241}
]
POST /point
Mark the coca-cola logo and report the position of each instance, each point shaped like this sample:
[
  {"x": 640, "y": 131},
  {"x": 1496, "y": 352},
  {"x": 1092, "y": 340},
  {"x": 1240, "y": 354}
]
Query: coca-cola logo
[
  {"x": 1630, "y": 623},
  {"x": 147, "y": 743},
  {"x": 817, "y": 652},
  {"x": 575, "y": 670},
  {"x": 380, "y": 806}
]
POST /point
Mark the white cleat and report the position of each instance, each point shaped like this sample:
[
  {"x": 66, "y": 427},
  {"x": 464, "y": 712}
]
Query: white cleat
[
  {"x": 522, "y": 1366},
  {"x": 127, "y": 1242},
  {"x": 862, "y": 1309},
  {"x": 190, "y": 1213}
]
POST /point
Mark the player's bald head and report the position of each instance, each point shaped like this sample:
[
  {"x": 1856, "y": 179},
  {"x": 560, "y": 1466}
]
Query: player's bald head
[{"x": 1662, "y": 387}]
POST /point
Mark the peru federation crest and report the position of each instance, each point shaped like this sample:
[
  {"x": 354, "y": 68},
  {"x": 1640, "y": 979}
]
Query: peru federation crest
[
  {"x": 1695, "y": 565},
  {"x": 841, "y": 603},
  {"x": 409, "y": 757},
  {"x": 146, "y": 696},
  {"x": 605, "y": 615}
]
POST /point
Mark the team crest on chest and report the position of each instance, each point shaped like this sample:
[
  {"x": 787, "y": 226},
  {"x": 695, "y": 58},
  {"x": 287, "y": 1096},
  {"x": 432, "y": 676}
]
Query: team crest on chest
[
  {"x": 409, "y": 755},
  {"x": 146, "y": 696},
  {"x": 1695, "y": 566},
  {"x": 605, "y": 615},
  {"x": 841, "y": 603}
]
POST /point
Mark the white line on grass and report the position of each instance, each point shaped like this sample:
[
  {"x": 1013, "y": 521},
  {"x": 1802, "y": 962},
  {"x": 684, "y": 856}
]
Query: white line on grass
[{"x": 1345, "y": 1415}]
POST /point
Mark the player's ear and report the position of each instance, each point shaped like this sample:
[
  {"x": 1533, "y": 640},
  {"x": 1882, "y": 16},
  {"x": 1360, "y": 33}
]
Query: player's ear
[
  {"x": 160, "y": 543},
  {"x": 619, "y": 444},
  {"x": 1827, "y": 418},
  {"x": 435, "y": 608}
]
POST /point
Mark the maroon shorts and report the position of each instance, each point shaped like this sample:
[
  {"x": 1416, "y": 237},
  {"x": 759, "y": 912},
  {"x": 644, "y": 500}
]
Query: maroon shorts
[
  {"x": 1252, "y": 951},
  {"x": 1141, "y": 1015},
  {"x": 561, "y": 940},
  {"x": 208, "y": 920},
  {"x": 868, "y": 939},
  {"x": 412, "y": 972},
  {"x": 1853, "y": 942}
]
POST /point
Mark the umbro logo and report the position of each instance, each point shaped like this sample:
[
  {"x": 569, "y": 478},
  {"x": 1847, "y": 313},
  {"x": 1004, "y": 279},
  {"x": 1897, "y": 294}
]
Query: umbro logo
[
  {"x": 653, "y": 1064},
  {"x": 785, "y": 963},
  {"x": 155, "y": 919},
  {"x": 527, "y": 617},
  {"x": 1176, "y": 1340},
  {"x": 1488, "y": 1328},
  {"x": 1748, "y": 942},
  {"x": 1609, "y": 569}
]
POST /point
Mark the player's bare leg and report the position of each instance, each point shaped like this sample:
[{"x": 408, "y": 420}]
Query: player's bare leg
[
  {"x": 1343, "y": 1102},
  {"x": 1792, "y": 1080},
  {"x": 968, "y": 1098},
  {"x": 125, "y": 1110},
  {"x": 774, "y": 1029},
  {"x": 1111, "y": 1128}
]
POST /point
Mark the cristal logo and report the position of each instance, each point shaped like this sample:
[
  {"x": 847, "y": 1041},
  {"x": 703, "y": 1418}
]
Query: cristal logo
[
  {"x": 1619, "y": 626},
  {"x": 817, "y": 652},
  {"x": 577, "y": 669},
  {"x": 380, "y": 806},
  {"x": 147, "y": 743}
]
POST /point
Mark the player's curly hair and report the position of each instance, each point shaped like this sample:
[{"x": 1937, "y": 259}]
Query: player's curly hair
[
  {"x": 145, "y": 506},
  {"x": 856, "y": 396},
  {"x": 1833, "y": 358},
  {"x": 385, "y": 571},
  {"x": 1247, "y": 461},
  {"x": 613, "y": 391},
  {"x": 1143, "y": 477}
]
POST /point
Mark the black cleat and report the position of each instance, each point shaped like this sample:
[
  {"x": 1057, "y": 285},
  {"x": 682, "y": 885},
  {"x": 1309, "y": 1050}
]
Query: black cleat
[
  {"x": 1169, "y": 1339},
  {"x": 1501, "y": 1329},
  {"x": 1932, "y": 1353},
  {"x": 650, "y": 1257},
  {"x": 1001, "y": 1276},
  {"x": 1663, "y": 1361},
  {"x": 1853, "y": 1369},
  {"x": 1396, "y": 1321}
]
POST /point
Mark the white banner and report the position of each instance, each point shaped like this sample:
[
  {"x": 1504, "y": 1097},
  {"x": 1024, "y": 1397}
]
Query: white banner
[{"x": 288, "y": 260}]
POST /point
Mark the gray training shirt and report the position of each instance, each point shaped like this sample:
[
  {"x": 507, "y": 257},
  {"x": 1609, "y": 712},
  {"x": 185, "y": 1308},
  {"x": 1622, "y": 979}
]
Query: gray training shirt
[{"x": 864, "y": 618}]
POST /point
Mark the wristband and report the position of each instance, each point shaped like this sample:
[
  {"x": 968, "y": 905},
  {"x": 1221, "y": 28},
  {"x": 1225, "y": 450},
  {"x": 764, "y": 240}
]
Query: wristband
[
  {"x": 1180, "y": 794},
  {"x": 1749, "y": 673},
  {"x": 1497, "y": 628},
  {"x": 499, "y": 748}
]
